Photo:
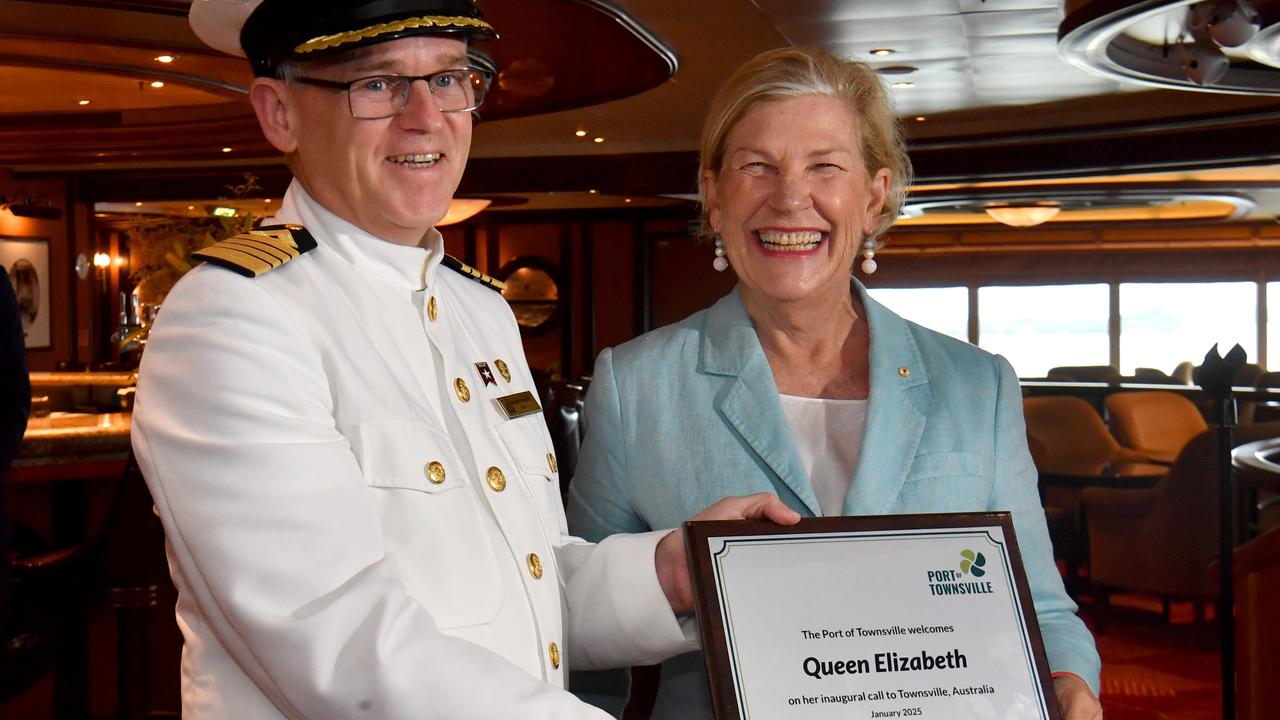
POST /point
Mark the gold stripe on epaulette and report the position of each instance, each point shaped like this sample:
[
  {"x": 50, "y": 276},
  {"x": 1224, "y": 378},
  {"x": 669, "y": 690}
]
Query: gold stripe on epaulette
[
  {"x": 324, "y": 42},
  {"x": 258, "y": 251},
  {"x": 454, "y": 263},
  {"x": 234, "y": 259}
]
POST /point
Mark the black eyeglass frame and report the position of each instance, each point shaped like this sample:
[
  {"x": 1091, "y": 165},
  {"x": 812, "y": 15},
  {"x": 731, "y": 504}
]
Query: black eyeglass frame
[{"x": 346, "y": 87}]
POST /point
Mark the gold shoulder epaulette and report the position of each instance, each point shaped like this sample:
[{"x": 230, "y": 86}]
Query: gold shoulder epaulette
[
  {"x": 454, "y": 263},
  {"x": 258, "y": 251}
]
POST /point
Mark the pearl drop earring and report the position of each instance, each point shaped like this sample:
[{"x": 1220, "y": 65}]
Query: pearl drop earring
[
  {"x": 721, "y": 263},
  {"x": 869, "y": 253}
]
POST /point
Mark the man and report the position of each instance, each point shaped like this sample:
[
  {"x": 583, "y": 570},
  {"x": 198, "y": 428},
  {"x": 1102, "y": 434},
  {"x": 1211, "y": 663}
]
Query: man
[
  {"x": 15, "y": 405},
  {"x": 337, "y": 423}
]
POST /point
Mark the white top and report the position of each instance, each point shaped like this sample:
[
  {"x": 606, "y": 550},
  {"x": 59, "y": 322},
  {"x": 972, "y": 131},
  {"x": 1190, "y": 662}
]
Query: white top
[{"x": 828, "y": 434}]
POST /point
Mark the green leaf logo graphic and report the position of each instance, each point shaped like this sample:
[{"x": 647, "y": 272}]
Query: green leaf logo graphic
[{"x": 971, "y": 563}]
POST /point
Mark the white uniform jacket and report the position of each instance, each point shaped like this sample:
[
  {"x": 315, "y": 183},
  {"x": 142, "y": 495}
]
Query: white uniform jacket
[{"x": 355, "y": 528}]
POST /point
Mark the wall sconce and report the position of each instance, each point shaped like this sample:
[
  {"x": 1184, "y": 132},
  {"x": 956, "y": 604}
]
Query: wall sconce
[
  {"x": 28, "y": 208},
  {"x": 101, "y": 260}
]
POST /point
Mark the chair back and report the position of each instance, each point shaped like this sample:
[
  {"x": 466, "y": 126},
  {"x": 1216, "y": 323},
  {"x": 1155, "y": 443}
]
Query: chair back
[
  {"x": 1153, "y": 376},
  {"x": 1156, "y": 423},
  {"x": 1247, "y": 375},
  {"x": 1084, "y": 373},
  {"x": 1066, "y": 430},
  {"x": 1160, "y": 540},
  {"x": 565, "y": 412}
]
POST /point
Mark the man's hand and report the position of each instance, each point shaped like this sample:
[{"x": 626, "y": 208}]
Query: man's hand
[
  {"x": 669, "y": 557},
  {"x": 1075, "y": 698}
]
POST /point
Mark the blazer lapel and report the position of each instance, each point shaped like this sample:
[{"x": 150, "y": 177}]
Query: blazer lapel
[
  {"x": 899, "y": 402},
  {"x": 750, "y": 403}
]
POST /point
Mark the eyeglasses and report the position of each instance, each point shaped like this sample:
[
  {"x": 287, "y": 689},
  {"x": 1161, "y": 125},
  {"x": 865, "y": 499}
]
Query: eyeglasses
[{"x": 383, "y": 96}]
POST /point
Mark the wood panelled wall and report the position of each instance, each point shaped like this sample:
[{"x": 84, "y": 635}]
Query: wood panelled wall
[{"x": 68, "y": 296}]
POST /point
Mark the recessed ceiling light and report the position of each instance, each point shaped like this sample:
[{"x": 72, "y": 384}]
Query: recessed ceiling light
[
  {"x": 227, "y": 149},
  {"x": 881, "y": 52},
  {"x": 191, "y": 207},
  {"x": 592, "y": 191},
  {"x": 580, "y": 133},
  {"x": 157, "y": 84},
  {"x": 267, "y": 201},
  {"x": 83, "y": 102},
  {"x": 599, "y": 140},
  {"x": 904, "y": 84},
  {"x": 164, "y": 59},
  {"x": 921, "y": 118},
  {"x": 137, "y": 204},
  {"x": 626, "y": 200}
]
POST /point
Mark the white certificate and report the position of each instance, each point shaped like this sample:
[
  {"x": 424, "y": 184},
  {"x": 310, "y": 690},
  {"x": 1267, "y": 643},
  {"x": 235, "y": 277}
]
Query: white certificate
[{"x": 921, "y": 616}]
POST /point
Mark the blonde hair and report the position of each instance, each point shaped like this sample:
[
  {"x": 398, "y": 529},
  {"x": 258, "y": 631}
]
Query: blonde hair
[{"x": 799, "y": 72}]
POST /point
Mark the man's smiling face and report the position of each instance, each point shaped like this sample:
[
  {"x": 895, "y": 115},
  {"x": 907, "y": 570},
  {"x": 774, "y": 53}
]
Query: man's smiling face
[{"x": 394, "y": 177}]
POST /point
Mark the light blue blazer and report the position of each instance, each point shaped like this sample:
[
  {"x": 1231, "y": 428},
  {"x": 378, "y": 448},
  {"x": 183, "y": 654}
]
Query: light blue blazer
[{"x": 685, "y": 415}]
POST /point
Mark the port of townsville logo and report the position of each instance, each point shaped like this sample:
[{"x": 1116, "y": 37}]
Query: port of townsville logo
[{"x": 972, "y": 563}]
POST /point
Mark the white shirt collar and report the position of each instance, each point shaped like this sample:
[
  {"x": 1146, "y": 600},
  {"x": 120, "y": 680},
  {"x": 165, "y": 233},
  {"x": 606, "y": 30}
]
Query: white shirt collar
[{"x": 403, "y": 267}]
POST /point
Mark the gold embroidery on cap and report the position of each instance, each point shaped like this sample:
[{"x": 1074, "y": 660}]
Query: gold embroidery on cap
[{"x": 325, "y": 42}]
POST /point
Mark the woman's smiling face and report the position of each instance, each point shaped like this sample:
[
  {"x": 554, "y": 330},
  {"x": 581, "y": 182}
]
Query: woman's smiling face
[{"x": 792, "y": 198}]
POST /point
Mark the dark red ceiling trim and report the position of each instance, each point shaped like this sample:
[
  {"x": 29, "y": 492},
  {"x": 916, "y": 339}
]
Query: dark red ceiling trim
[{"x": 177, "y": 8}]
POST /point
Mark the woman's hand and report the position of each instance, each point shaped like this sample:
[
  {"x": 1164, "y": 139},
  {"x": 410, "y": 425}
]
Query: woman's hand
[
  {"x": 669, "y": 557},
  {"x": 1076, "y": 699}
]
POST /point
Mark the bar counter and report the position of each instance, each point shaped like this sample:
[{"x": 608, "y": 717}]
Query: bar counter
[{"x": 73, "y": 437}]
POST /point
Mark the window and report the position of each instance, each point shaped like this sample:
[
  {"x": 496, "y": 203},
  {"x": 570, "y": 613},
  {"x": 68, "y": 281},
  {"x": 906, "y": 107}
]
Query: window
[
  {"x": 945, "y": 309},
  {"x": 1045, "y": 326},
  {"x": 1273, "y": 326},
  {"x": 1163, "y": 324}
]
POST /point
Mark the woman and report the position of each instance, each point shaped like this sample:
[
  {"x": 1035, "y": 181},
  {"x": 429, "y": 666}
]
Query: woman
[{"x": 797, "y": 382}]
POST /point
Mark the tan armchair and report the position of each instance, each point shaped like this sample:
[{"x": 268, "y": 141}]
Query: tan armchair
[
  {"x": 1156, "y": 423},
  {"x": 1257, "y": 586},
  {"x": 1159, "y": 540},
  {"x": 1065, "y": 433}
]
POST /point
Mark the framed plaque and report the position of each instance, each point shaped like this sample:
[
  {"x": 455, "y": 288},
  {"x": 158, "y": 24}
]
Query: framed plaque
[{"x": 889, "y": 616}]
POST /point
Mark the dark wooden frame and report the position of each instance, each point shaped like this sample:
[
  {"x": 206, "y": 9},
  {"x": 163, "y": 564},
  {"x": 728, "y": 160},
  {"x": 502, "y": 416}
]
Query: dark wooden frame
[
  {"x": 43, "y": 276},
  {"x": 706, "y": 595}
]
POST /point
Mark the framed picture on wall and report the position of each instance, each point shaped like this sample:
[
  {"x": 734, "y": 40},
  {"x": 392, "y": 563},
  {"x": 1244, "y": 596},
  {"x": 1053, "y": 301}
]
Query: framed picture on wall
[{"x": 27, "y": 262}]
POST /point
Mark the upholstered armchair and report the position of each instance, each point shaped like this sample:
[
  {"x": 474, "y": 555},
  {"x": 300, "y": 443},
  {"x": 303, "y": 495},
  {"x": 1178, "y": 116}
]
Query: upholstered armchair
[
  {"x": 1155, "y": 423},
  {"x": 1159, "y": 540},
  {"x": 1065, "y": 433}
]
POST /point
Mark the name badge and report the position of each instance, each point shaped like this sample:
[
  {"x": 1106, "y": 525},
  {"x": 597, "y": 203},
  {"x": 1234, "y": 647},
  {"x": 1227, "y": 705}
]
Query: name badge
[{"x": 519, "y": 405}]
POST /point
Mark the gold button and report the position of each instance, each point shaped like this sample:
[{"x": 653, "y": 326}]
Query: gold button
[
  {"x": 551, "y": 463},
  {"x": 904, "y": 372},
  {"x": 460, "y": 387},
  {"x": 554, "y": 652},
  {"x": 496, "y": 479},
  {"x": 535, "y": 566},
  {"x": 435, "y": 472},
  {"x": 431, "y": 307},
  {"x": 503, "y": 370}
]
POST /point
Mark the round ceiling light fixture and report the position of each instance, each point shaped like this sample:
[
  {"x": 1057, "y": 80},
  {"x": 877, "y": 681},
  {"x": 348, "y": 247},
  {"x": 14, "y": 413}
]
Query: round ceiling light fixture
[
  {"x": 1226, "y": 46},
  {"x": 1028, "y": 207}
]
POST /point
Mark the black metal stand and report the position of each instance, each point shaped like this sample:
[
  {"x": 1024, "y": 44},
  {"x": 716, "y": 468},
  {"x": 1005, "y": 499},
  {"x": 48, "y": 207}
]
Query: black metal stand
[{"x": 1215, "y": 377}]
